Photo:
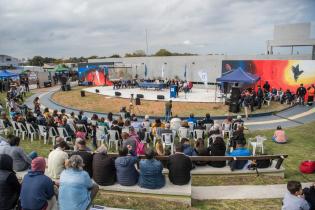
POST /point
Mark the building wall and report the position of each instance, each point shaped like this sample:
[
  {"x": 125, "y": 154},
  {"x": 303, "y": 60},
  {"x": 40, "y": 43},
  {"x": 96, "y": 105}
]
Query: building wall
[
  {"x": 175, "y": 65},
  {"x": 6, "y": 60}
]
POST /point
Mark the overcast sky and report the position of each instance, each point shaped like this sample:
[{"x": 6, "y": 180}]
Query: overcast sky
[{"x": 64, "y": 28}]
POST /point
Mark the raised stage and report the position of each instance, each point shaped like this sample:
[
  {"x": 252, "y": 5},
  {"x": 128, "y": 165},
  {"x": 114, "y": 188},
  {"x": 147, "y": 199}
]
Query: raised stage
[{"x": 197, "y": 94}]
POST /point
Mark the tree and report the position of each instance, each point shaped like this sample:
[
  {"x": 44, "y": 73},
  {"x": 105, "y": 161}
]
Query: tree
[
  {"x": 115, "y": 56},
  {"x": 36, "y": 61},
  {"x": 93, "y": 57},
  {"x": 163, "y": 52},
  {"x": 137, "y": 53}
]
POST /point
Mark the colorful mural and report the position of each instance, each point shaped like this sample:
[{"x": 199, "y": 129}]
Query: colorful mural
[
  {"x": 98, "y": 75},
  {"x": 285, "y": 74}
]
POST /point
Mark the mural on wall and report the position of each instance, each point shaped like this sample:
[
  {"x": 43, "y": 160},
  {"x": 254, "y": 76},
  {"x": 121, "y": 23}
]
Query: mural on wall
[
  {"x": 285, "y": 74},
  {"x": 98, "y": 75}
]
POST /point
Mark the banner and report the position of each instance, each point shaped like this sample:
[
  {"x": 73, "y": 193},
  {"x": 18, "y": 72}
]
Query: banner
[
  {"x": 203, "y": 77},
  {"x": 162, "y": 71}
]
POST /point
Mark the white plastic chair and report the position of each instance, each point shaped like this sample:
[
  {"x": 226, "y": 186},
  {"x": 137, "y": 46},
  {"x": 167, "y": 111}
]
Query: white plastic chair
[
  {"x": 42, "y": 133},
  {"x": 16, "y": 128},
  {"x": 227, "y": 129},
  {"x": 191, "y": 127},
  {"x": 259, "y": 143},
  {"x": 63, "y": 133},
  {"x": 113, "y": 138},
  {"x": 101, "y": 135},
  {"x": 52, "y": 133},
  {"x": 183, "y": 133},
  {"x": 3, "y": 128},
  {"x": 236, "y": 125},
  {"x": 72, "y": 127},
  {"x": 208, "y": 127},
  {"x": 22, "y": 130},
  {"x": 199, "y": 133},
  {"x": 168, "y": 140},
  {"x": 31, "y": 131}
]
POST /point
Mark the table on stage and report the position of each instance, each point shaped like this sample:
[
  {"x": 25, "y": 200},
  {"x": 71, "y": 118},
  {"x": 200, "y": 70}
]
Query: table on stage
[{"x": 146, "y": 85}]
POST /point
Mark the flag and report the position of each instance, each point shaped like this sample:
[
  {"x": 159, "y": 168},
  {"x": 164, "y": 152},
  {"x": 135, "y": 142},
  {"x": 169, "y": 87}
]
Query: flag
[
  {"x": 162, "y": 71},
  {"x": 185, "y": 72},
  {"x": 145, "y": 70}
]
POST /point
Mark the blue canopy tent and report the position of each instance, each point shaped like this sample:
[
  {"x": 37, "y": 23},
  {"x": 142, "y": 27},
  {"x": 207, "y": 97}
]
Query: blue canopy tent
[
  {"x": 239, "y": 76},
  {"x": 4, "y": 74}
]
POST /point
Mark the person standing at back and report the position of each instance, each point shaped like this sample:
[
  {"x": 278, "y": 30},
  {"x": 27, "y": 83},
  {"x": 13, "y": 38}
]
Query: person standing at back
[
  {"x": 179, "y": 166},
  {"x": 168, "y": 110},
  {"x": 301, "y": 92}
]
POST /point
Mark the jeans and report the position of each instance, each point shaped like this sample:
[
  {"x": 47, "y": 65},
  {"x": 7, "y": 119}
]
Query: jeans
[{"x": 167, "y": 115}]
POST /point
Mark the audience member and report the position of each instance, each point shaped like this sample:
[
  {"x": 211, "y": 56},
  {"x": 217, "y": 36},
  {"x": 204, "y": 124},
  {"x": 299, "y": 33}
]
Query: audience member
[
  {"x": 9, "y": 185},
  {"x": 151, "y": 176},
  {"x": 294, "y": 199},
  {"x": 217, "y": 148},
  {"x": 127, "y": 141},
  {"x": 159, "y": 147},
  {"x": 104, "y": 171},
  {"x": 239, "y": 151},
  {"x": 175, "y": 122},
  {"x": 187, "y": 148},
  {"x": 37, "y": 190},
  {"x": 208, "y": 119},
  {"x": 76, "y": 191},
  {"x": 59, "y": 139},
  {"x": 279, "y": 136},
  {"x": 201, "y": 150},
  {"x": 238, "y": 137},
  {"x": 192, "y": 119},
  {"x": 86, "y": 155},
  {"x": 56, "y": 160},
  {"x": 81, "y": 133},
  {"x": 179, "y": 166}
]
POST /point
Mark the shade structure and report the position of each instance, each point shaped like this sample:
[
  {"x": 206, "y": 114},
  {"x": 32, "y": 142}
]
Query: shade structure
[
  {"x": 6, "y": 74},
  {"x": 59, "y": 68},
  {"x": 239, "y": 76}
]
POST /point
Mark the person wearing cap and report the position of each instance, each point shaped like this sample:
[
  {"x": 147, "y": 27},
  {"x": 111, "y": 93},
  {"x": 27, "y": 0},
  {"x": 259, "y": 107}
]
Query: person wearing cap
[
  {"x": 9, "y": 184},
  {"x": 85, "y": 154},
  {"x": 60, "y": 139},
  {"x": 104, "y": 171},
  {"x": 77, "y": 190},
  {"x": 37, "y": 190}
]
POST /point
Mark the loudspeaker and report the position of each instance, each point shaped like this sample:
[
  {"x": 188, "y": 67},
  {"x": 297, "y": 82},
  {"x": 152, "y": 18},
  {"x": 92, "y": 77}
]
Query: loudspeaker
[
  {"x": 160, "y": 97},
  {"x": 138, "y": 102},
  {"x": 234, "y": 107},
  {"x": 97, "y": 90},
  {"x": 63, "y": 87},
  {"x": 82, "y": 93},
  {"x": 236, "y": 94},
  {"x": 117, "y": 93},
  {"x": 140, "y": 96},
  {"x": 68, "y": 87}
]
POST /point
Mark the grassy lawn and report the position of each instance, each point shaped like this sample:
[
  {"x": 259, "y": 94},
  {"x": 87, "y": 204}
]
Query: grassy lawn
[{"x": 154, "y": 108}]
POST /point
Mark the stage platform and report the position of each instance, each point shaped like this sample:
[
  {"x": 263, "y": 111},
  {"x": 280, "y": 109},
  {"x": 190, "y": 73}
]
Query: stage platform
[{"x": 197, "y": 94}]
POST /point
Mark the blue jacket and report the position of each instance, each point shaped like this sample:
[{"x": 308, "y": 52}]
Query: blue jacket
[
  {"x": 36, "y": 190},
  {"x": 126, "y": 173},
  {"x": 240, "y": 152},
  {"x": 188, "y": 150},
  {"x": 151, "y": 176},
  {"x": 192, "y": 119}
]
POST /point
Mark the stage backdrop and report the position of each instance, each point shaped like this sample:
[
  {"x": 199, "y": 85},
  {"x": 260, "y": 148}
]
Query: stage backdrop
[
  {"x": 97, "y": 74},
  {"x": 287, "y": 74}
]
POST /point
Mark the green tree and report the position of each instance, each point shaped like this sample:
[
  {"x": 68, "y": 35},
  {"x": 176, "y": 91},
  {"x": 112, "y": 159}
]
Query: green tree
[
  {"x": 115, "y": 56},
  {"x": 137, "y": 53},
  {"x": 163, "y": 52},
  {"x": 36, "y": 61}
]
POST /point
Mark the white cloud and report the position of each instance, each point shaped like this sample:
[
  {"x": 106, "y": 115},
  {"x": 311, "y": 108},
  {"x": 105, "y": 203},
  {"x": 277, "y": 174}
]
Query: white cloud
[{"x": 103, "y": 27}]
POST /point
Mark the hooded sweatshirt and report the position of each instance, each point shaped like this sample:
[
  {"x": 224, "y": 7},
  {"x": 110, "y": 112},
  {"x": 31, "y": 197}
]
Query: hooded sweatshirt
[
  {"x": 126, "y": 173},
  {"x": 36, "y": 190}
]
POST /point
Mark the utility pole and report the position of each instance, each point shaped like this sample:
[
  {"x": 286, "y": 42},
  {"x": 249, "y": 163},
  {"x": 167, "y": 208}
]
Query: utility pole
[{"x": 146, "y": 41}]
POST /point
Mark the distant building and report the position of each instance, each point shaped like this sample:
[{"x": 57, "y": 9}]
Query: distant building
[{"x": 8, "y": 61}]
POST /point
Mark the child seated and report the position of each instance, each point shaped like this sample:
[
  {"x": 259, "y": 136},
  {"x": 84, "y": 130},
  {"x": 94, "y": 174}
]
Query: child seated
[
  {"x": 294, "y": 198},
  {"x": 279, "y": 136}
]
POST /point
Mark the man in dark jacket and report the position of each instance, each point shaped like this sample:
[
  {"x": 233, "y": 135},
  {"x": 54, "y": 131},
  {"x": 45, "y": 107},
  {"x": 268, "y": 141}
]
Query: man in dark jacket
[
  {"x": 179, "y": 166},
  {"x": 301, "y": 92},
  {"x": 104, "y": 171},
  {"x": 260, "y": 96},
  {"x": 266, "y": 87},
  {"x": 126, "y": 173},
  {"x": 85, "y": 155},
  {"x": 9, "y": 184},
  {"x": 37, "y": 188}
]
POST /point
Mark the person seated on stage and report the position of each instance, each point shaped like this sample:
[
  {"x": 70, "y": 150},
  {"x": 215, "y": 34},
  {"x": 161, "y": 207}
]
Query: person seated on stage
[
  {"x": 126, "y": 172},
  {"x": 294, "y": 197},
  {"x": 86, "y": 155},
  {"x": 187, "y": 148},
  {"x": 157, "y": 126},
  {"x": 239, "y": 151},
  {"x": 104, "y": 171},
  {"x": 151, "y": 176},
  {"x": 208, "y": 119},
  {"x": 159, "y": 147},
  {"x": 279, "y": 136},
  {"x": 192, "y": 119},
  {"x": 179, "y": 166}
]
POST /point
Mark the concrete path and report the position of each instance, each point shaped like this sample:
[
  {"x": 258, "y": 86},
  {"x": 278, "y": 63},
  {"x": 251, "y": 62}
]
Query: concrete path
[
  {"x": 292, "y": 117},
  {"x": 240, "y": 192}
]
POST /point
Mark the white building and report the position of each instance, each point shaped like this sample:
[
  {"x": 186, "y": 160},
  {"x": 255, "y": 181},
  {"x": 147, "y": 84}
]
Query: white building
[{"x": 6, "y": 61}]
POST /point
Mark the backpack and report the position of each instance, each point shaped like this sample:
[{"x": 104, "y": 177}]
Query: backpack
[{"x": 140, "y": 148}]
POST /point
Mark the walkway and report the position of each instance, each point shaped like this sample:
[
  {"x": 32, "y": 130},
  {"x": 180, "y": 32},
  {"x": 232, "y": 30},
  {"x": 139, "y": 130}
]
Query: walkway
[
  {"x": 291, "y": 117},
  {"x": 240, "y": 192}
]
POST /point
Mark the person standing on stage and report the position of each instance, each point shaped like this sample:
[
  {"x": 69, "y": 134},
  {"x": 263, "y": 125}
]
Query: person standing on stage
[
  {"x": 301, "y": 92},
  {"x": 311, "y": 94},
  {"x": 168, "y": 110}
]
